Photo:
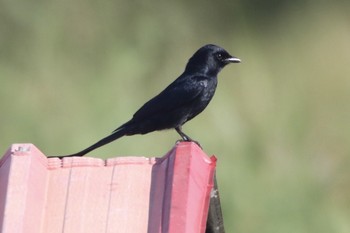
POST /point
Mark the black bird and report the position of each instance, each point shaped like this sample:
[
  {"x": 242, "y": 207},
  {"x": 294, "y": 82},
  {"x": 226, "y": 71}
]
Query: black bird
[{"x": 181, "y": 101}]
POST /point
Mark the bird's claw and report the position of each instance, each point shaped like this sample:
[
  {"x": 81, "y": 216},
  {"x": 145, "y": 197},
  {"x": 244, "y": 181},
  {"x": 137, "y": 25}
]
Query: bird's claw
[{"x": 190, "y": 140}]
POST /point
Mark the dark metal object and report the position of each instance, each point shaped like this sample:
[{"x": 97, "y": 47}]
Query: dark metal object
[{"x": 215, "y": 221}]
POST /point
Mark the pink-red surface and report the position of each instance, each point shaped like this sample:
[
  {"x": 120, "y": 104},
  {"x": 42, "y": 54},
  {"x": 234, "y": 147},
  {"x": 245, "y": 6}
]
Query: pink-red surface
[{"x": 122, "y": 194}]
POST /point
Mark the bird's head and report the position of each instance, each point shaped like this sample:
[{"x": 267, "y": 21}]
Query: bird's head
[{"x": 210, "y": 59}]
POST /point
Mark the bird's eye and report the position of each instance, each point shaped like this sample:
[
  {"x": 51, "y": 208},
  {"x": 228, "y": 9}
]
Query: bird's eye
[{"x": 219, "y": 56}]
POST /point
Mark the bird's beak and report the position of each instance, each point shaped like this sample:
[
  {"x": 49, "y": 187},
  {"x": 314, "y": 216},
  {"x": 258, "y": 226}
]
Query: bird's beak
[{"x": 233, "y": 60}]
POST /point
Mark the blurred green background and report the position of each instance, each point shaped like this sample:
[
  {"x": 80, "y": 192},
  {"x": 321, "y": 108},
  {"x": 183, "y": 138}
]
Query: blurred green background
[{"x": 73, "y": 71}]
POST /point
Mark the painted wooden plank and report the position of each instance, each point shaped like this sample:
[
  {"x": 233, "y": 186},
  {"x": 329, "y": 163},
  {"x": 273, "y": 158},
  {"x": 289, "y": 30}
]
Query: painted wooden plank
[
  {"x": 123, "y": 194},
  {"x": 24, "y": 196}
]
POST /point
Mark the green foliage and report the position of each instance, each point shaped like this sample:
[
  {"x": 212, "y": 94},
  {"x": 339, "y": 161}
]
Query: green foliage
[{"x": 72, "y": 71}]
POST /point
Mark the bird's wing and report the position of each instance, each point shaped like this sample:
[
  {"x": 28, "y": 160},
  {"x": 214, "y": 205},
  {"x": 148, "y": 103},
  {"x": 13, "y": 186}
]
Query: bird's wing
[{"x": 179, "y": 93}]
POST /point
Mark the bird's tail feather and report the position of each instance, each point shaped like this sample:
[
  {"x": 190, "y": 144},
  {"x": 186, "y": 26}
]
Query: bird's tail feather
[{"x": 115, "y": 135}]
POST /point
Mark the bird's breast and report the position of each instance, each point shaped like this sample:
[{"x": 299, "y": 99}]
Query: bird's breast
[{"x": 209, "y": 87}]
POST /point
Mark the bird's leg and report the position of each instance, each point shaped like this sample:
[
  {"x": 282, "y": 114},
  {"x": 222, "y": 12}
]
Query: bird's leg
[
  {"x": 182, "y": 134},
  {"x": 185, "y": 137}
]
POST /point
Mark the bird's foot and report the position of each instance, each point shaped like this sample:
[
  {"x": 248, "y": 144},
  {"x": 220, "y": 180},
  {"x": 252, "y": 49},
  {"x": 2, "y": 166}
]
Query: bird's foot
[{"x": 189, "y": 140}]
